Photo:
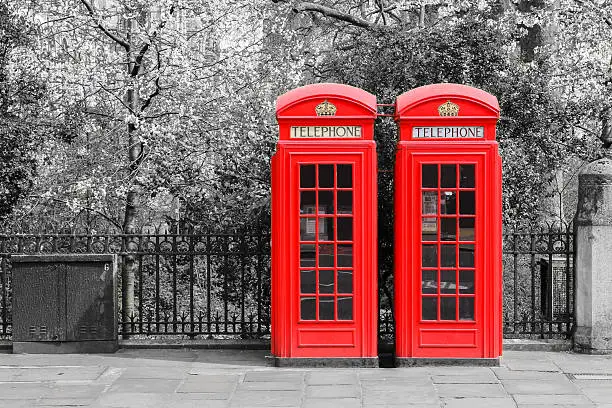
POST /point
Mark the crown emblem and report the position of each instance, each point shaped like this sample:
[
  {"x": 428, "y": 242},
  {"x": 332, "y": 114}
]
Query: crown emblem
[
  {"x": 326, "y": 108},
  {"x": 448, "y": 109}
]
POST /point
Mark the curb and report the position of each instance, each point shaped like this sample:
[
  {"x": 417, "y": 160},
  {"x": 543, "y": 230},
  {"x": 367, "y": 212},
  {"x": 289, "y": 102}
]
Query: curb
[
  {"x": 551, "y": 345},
  {"x": 245, "y": 344},
  {"x": 6, "y": 346}
]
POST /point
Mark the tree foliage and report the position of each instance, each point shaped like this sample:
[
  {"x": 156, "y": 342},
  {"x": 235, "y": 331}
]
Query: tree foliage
[
  {"x": 164, "y": 98},
  {"x": 195, "y": 140},
  {"x": 20, "y": 93}
]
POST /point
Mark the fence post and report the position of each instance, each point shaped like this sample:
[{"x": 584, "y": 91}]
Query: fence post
[{"x": 593, "y": 259}]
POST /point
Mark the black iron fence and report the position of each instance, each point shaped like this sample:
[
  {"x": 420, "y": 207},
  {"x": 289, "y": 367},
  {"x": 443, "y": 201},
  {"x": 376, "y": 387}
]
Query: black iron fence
[
  {"x": 217, "y": 285},
  {"x": 210, "y": 284},
  {"x": 538, "y": 282}
]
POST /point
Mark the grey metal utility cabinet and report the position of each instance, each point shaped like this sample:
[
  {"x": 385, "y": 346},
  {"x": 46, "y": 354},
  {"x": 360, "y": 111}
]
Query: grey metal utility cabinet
[{"x": 64, "y": 303}]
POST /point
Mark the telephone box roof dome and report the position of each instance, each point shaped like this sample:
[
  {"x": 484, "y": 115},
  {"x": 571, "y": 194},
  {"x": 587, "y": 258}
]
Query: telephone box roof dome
[
  {"x": 417, "y": 96},
  {"x": 347, "y": 93}
]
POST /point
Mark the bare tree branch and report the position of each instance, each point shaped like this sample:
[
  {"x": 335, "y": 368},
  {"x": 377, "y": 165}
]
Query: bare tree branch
[
  {"x": 333, "y": 13},
  {"x": 122, "y": 42},
  {"x": 145, "y": 48},
  {"x": 381, "y": 7},
  {"x": 149, "y": 99},
  {"x": 101, "y": 214}
]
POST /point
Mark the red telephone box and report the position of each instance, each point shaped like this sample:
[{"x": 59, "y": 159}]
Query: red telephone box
[
  {"x": 324, "y": 276},
  {"x": 447, "y": 227}
]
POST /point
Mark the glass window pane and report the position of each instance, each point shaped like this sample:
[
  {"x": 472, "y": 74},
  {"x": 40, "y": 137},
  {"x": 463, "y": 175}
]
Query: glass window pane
[
  {"x": 466, "y": 308},
  {"x": 430, "y": 256},
  {"x": 430, "y": 308},
  {"x": 308, "y": 309},
  {"x": 326, "y": 281},
  {"x": 307, "y": 202},
  {"x": 326, "y": 202},
  {"x": 326, "y": 308},
  {"x": 307, "y": 281},
  {"x": 345, "y": 228},
  {"x": 345, "y": 255},
  {"x": 345, "y": 281},
  {"x": 448, "y": 308},
  {"x": 448, "y": 176},
  {"x": 326, "y": 229},
  {"x": 307, "y": 255},
  {"x": 326, "y": 255},
  {"x": 448, "y": 229},
  {"x": 430, "y": 176},
  {"x": 448, "y": 202},
  {"x": 307, "y": 176},
  {"x": 326, "y": 175},
  {"x": 345, "y": 308},
  {"x": 429, "y": 282},
  {"x": 345, "y": 202},
  {"x": 345, "y": 175},
  {"x": 466, "y": 255},
  {"x": 466, "y": 229},
  {"x": 466, "y": 281},
  {"x": 468, "y": 179},
  {"x": 307, "y": 229},
  {"x": 429, "y": 229},
  {"x": 430, "y": 202},
  {"x": 467, "y": 202},
  {"x": 448, "y": 282},
  {"x": 448, "y": 255}
]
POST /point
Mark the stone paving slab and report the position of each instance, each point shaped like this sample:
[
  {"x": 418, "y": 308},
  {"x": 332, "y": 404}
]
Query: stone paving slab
[
  {"x": 574, "y": 363},
  {"x": 598, "y": 395},
  {"x": 6, "y": 403},
  {"x": 541, "y": 386},
  {"x": 131, "y": 399},
  {"x": 473, "y": 390},
  {"x": 332, "y": 403},
  {"x": 332, "y": 377},
  {"x": 144, "y": 385},
  {"x": 280, "y": 375},
  {"x": 548, "y": 399},
  {"x": 559, "y": 406},
  {"x": 333, "y": 391},
  {"x": 147, "y": 372},
  {"x": 504, "y": 373},
  {"x": 266, "y": 399},
  {"x": 199, "y": 385},
  {"x": 480, "y": 378},
  {"x": 417, "y": 396},
  {"x": 479, "y": 403},
  {"x": 271, "y": 386},
  {"x": 244, "y": 378},
  {"x": 64, "y": 402}
]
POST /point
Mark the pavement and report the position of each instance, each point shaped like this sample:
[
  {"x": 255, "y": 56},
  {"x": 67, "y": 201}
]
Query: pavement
[{"x": 244, "y": 378}]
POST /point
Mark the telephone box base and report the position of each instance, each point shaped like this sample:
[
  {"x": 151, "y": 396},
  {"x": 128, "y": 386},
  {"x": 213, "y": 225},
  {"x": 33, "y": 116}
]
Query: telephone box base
[
  {"x": 340, "y": 362},
  {"x": 419, "y": 362}
]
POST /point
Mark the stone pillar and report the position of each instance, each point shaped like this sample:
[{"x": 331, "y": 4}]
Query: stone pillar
[{"x": 594, "y": 259}]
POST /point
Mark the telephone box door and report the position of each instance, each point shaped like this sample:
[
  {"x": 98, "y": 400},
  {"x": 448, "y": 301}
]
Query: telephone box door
[
  {"x": 448, "y": 267},
  {"x": 326, "y": 204}
]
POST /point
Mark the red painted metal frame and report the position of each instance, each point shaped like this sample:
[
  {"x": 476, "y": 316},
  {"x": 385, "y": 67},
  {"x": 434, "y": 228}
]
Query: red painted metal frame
[
  {"x": 291, "y": 336},
  {"x": 482, "y": 337}
]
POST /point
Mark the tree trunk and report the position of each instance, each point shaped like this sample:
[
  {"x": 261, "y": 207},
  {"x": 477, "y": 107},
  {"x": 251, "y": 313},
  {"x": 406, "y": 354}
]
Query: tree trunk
[
  {"x": 130, "y": 226},
  {"x": 130, "y": 264}
]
